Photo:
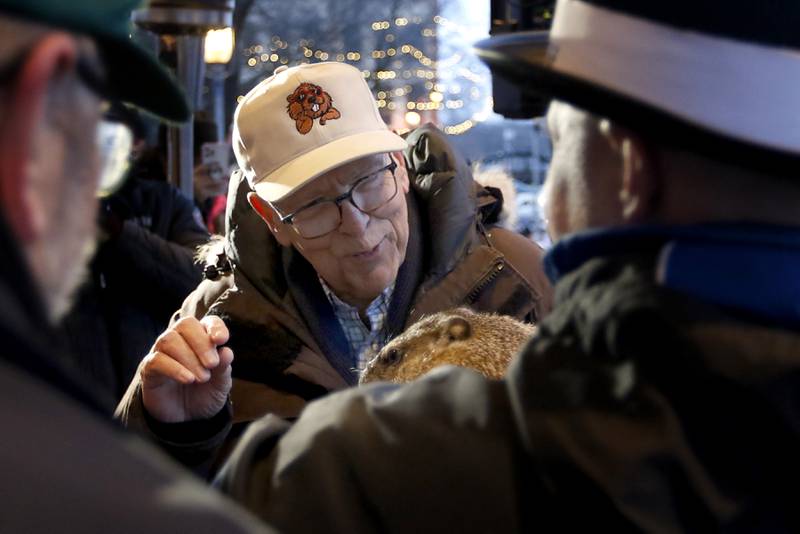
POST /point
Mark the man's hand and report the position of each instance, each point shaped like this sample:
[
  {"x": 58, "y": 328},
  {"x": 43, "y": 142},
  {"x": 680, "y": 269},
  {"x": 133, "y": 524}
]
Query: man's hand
[{"x": 185, "y": 376}]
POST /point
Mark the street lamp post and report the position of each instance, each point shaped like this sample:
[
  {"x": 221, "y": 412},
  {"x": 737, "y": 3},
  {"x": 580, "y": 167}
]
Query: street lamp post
[
  {"x": 218, "y": 53},
  {"x": 182, "y": 26}
]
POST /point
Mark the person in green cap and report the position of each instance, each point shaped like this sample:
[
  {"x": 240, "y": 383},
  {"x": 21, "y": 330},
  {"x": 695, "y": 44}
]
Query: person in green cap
[{"x": 65, "y": 467}]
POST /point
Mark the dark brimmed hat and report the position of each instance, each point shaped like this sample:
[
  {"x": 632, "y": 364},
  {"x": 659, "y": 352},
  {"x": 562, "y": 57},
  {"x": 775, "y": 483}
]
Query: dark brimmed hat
[
  {"x": 134, "y": 75},
  {"x": 719, "y": 77}
]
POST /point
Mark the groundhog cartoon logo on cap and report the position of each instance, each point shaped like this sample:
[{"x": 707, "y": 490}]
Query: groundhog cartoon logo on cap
[{"x": 309, "y": 102}]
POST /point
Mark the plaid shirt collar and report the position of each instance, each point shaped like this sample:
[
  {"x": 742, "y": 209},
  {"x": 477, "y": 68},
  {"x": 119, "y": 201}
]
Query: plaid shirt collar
[{"x": 364, "y": 341}]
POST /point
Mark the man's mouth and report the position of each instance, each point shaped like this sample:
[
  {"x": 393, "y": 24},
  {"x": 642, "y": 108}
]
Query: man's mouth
[{"x": 369, "y": 253}]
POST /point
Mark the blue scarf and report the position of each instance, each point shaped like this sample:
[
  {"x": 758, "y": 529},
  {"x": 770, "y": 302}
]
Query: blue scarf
[{"x": 746, "y": 267}]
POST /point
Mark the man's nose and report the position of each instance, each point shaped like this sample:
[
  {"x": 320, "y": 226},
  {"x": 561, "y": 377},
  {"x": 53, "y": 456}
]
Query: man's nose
[{"x": 354, "y": 221}]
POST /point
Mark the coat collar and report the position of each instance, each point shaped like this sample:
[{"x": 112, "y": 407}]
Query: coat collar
[
  {"x": 747, "y": 268},
  {"x": 29, "y": 342}
]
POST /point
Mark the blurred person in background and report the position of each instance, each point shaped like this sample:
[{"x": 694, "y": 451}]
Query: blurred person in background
[
  {"x": 211, "y": 174},
  {"x": 143, "y": 269}
]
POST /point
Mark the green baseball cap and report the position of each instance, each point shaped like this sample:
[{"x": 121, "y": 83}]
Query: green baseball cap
[{"x": 134, "y": 75}]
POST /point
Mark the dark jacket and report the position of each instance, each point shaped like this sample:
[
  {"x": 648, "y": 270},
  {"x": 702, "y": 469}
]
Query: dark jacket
[
  {"x": 139, "y": 276},
  {"x": 288, "y": 345},
  {"x": 65, "y": 466},
  {"x": 636, "y": 407}
]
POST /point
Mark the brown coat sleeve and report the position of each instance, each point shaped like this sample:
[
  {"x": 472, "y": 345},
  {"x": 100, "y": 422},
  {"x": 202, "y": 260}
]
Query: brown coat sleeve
[{"x": 130, "y": 410}]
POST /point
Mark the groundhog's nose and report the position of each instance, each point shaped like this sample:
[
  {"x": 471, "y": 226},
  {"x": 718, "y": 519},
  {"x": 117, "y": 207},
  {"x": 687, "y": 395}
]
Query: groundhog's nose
[{"x": 312, "y": 99}]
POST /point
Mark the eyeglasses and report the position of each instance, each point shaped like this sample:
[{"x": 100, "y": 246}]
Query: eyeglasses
[
  {"x": 114, "y": 144},
  {"x": 324, "y": 215}
]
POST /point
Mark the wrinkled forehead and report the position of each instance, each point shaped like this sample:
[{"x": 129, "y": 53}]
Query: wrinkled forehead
[{"x": 332, "y": 183}]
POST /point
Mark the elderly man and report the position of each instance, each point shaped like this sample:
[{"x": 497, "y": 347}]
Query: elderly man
[
  {"x": 64, "y": 467},
  {"x": 661, "y": 393},
  {"x": 365, "y": 233}
]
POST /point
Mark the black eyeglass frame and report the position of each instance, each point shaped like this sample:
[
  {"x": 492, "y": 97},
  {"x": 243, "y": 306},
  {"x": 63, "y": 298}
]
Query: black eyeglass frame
[{"x": 391, "y": 167}]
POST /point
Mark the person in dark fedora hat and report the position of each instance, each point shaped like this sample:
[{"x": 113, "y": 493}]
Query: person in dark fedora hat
[
  {"x": 66, "y": 467},
  {"x": 661, "y": 393},
  {"x": 711, "y": 77}
]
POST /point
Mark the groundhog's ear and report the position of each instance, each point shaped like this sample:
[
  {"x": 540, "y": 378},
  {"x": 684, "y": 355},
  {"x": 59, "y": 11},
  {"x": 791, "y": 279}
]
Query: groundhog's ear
[
  {"x": 290, "y": 97},
  {"x": 458, "y": 329}
]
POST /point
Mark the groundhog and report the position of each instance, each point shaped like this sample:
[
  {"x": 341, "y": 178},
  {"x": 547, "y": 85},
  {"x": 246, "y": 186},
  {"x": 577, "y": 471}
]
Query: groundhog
[
  {"x": 484, "y": 342},
  {"x": 309, "y": 102}
]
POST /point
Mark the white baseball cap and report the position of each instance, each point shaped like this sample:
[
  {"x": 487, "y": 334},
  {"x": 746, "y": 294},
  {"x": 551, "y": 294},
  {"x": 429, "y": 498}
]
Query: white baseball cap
[{"x": 304, "y": 121}]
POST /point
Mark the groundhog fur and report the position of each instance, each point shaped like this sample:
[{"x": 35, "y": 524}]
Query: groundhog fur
[
  {"x": 309, "y": 102},
  {"x": 483, "y": 342}
]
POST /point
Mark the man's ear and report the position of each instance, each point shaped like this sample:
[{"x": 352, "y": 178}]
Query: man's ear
[
  {"x": 22, "y": 181},
  {"x": 402, "y": 171},
  {"x": 269, "y": 216},
  {"x": 641, "y": 181}
]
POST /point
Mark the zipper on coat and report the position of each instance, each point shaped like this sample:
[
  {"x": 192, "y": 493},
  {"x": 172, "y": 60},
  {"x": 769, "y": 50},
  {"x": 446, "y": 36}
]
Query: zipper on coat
[{"x": 497, "y": 268}]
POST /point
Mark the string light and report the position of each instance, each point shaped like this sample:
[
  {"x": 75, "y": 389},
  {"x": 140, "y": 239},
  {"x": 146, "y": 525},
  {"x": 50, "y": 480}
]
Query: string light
[
  {"x": 437, "y": 96},
  {"x": 413, "y": 118},
  {"x": 459, "y": 129}
]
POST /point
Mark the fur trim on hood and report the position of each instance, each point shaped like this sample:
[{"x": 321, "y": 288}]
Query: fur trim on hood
[{"x": 498, "y": 178}]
